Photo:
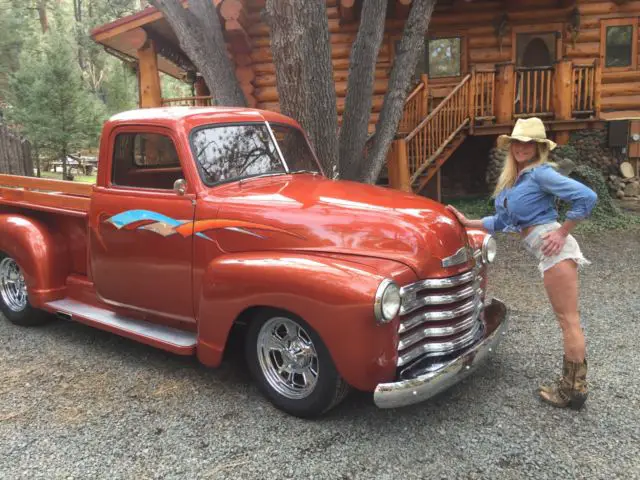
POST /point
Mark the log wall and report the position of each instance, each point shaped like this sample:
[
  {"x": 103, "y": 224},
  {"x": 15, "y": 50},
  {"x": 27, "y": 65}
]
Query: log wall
[
  {"x": 478, "y": 22},
  {"x": 15, "y": 153}
]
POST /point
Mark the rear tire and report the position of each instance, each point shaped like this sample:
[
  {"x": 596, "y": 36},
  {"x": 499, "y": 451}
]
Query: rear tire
[
  {"x": 292, "y": 366},
  {"x": 14, "y": 299}
]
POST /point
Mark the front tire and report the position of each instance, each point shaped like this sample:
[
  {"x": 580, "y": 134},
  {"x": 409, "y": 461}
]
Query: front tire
[
  {"x": 14, "y": 299},
  {"x": 292, "y": 366}
]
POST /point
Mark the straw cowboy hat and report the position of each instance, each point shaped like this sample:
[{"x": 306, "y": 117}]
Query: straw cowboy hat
[{"x": 527, "y": 130}]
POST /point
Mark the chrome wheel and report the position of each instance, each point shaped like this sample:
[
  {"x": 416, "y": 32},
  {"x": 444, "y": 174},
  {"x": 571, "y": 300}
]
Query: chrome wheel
[
  {"x": 13, "y": 288},
  {"x": 288, "y": 358}
]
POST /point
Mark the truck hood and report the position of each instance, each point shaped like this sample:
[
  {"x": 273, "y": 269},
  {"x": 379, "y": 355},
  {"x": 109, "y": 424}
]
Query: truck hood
[{"x": 311, "y": 213}]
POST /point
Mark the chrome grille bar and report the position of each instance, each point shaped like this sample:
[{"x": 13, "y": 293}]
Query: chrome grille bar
[
  {"x": 438, "y": 283},
  {"x": 440, "y": 348},
  {"x": 440, "y": 299},
  {"x": 440, "y": 315},
  {"x": 435, "y": 332}
]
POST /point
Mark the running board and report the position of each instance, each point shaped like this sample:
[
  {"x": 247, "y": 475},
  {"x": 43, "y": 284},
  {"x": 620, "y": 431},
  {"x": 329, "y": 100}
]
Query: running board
[{"x": 160, "y": 336}]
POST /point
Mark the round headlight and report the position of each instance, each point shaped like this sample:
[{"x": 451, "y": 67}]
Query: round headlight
[
  {"x": 489, "y": 249},
  {"x": 387, "y": 301}
]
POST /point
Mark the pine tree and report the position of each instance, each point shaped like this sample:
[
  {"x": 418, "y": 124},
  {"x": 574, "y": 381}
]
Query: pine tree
[{"x": 50, "y": 101}]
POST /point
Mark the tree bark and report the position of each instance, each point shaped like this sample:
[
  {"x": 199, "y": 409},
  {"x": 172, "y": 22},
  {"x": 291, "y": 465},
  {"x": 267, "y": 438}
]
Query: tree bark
[
  {"x": 42, "y": 14},
  {"x": 362, "y": 67},
  {"x": 404, "y": 66},
  {"x": 35, "y": 155},
  {"x": 302, "y": 57},
  {"x": 200, "y": 35}
]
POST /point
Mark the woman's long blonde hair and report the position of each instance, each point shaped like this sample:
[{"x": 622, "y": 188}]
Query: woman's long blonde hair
[{"x": 509, "y": 172}]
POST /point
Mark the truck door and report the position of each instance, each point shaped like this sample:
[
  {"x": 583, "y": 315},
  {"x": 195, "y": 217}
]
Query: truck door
[{"x": 140, "y": 241}]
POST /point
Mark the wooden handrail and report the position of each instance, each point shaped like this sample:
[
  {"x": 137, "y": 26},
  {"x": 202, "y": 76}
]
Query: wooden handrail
[
  {"x": 166, "y": 101},
  {"x": 526, "y": 69},
  {"x": 415, "y": 106},
  {"x": 440, "y": 106},
  {"x": 440, "y": 149},
  {"x": 414, "y": 92}
]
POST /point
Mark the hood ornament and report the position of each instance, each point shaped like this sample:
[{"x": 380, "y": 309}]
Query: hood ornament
[{"x": 462, "y": 255}]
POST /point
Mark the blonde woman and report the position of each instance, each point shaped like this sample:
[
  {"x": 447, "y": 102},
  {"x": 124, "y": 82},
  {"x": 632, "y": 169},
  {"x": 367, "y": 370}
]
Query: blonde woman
[{"x": 525, "y": 203}]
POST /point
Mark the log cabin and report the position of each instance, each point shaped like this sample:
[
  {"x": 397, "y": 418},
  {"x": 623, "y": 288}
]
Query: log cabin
[{"x": 486, "y": 63}]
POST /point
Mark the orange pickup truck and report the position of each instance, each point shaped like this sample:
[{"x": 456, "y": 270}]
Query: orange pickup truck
[{"x": 204, "y": 220}]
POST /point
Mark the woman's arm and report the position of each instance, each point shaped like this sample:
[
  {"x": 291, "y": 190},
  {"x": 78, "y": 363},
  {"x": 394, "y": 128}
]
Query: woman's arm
[
  {"x": 491, "y": 223},
  {"x": 582, "y": 199}
]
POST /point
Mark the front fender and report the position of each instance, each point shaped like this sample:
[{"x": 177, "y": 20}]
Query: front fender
[
  {"x": 42, "y": 258},
  {"x": 334, "y": 296}
]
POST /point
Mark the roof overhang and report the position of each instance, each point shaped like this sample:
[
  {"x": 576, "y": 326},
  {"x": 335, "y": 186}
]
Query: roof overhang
[{"x": 125, "y": 36}]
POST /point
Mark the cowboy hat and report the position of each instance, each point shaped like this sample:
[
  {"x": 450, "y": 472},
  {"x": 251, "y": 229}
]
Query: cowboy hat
[{"x": 527, "y": 130}]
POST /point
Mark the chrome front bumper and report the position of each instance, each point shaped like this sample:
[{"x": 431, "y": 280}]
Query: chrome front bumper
[{"x": 422, "y": 387}]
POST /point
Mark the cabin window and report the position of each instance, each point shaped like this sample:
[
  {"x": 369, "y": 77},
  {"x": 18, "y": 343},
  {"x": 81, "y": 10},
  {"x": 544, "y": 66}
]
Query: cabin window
[
  {"x": 444, "y": 57},
  {"x": 619, "y": 43},
  {"x": 619, "y": 46},
  {"x": 145, "y": 160}
]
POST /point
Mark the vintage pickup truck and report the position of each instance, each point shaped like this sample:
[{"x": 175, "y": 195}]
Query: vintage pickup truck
[{"x": 207, "y": 220}]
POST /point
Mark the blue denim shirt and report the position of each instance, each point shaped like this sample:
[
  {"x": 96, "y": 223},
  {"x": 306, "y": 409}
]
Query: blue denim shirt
[{"x": 531, "y": 200}]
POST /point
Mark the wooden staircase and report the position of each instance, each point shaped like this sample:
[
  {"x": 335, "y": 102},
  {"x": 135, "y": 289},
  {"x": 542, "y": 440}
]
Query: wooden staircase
[{"x": 420, "y": 153}]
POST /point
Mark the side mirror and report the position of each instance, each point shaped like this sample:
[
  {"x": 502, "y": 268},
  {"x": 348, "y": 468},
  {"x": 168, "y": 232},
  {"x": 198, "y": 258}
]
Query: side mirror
[{"x": 180, "y": 186}]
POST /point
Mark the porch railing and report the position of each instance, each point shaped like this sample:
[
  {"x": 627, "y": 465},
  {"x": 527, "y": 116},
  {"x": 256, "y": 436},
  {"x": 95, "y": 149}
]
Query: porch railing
[
  {"x": 187, "y": 101},
  {"x": 534, "y": 91},
  {"x": 484, "y": 95},
  {"x": 584, "y": 89}
]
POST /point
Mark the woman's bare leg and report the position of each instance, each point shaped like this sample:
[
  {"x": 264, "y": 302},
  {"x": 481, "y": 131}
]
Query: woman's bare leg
[{"x": 561, "y": 284}]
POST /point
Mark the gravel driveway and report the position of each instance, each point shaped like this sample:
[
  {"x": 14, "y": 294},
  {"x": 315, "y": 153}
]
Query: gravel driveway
[{"x": 79, "y": 403}]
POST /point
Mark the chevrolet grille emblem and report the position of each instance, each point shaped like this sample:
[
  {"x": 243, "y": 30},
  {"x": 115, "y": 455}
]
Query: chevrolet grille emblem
[{"x": 461, "y": 256}]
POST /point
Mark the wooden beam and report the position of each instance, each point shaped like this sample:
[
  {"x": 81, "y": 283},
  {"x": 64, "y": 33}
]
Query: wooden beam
[
  {"x": 401, "y": 8},
  {"x": 347, "y": 10},
  {"x": 398, "y": 166},
  {"x": 563, "y": 91},
  {"x": 166, "y": 49},
  {"x": 149, "y": 77},
  {"x": 505, "y": 92}
]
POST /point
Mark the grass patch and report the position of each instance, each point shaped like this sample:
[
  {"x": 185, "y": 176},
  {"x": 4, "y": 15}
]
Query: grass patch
[{"x": 76, "y": 178}]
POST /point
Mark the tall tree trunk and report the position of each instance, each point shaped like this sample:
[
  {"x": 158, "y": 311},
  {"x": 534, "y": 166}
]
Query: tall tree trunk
[
  {"x": 302, "y": 57},
  {"x": 404, "y": 66},
  {"x": 42, "y": 14},
  {"x": 362, "y": 67},
  {"x": 36, "y": 158},
  {"x": 64, "y": 164},
  {"x": 200, "y": 35}
]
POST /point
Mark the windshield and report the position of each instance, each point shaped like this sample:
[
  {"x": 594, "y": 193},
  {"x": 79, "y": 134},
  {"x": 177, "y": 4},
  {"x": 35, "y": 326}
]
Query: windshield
[
  {"x": 295, "y": 149},
  {"x": 233, "y": 152}
]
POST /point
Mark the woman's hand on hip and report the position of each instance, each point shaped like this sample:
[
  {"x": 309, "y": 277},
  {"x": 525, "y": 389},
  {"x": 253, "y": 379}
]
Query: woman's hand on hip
[{"x": 553, "y": 242}]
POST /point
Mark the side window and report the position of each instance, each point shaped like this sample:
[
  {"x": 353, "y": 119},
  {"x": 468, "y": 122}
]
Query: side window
[{"x": 145, "y": 160}]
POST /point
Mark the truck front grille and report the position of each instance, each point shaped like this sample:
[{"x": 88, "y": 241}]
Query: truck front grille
[{"x": 440, "y": 316}]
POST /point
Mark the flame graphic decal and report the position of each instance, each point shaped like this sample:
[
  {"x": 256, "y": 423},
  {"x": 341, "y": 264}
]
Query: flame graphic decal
[{"x": 167, "y": 226}]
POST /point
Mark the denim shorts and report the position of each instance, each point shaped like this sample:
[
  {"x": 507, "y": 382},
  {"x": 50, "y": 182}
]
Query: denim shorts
[{"x": 533, "y": 244}]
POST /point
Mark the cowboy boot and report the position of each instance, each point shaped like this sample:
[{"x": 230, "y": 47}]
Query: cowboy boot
[{"x": 571, "y": 389}]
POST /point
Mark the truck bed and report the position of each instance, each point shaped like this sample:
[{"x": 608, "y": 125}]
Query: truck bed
[{"x": 47, "y": 195}]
